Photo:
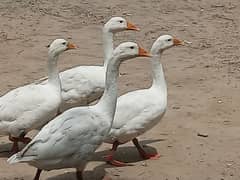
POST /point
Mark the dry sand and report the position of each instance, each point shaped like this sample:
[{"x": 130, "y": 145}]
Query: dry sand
[{"x": 203, "y": 79}]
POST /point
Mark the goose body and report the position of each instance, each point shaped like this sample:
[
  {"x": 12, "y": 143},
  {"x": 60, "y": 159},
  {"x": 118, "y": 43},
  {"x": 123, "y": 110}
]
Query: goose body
[
  {"x": 81, "y": 85},
  {"x": 27, "y": 108},
  {"x": 145, "y": 114},
  {"x": 32, "y": 106},
  {"x": 141, "y": 110},
  {"x": 84, "y": 84},
  {"x": 70, "y": 140}
]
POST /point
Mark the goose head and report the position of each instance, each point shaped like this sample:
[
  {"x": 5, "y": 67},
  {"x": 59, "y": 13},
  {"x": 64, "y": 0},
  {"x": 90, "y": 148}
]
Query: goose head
[
  {"x": 164, "y": 42},
  {"x": 59, "y": 45},
  {"x": 117, "y": 24},
  {"x": 129, "y": 50}
]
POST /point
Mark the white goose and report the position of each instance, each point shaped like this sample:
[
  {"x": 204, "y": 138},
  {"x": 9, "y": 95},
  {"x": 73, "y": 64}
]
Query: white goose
[
  {"x": 32, "y": 106},
  {"x": 84, "y": 84},
  {"x": 140, "y": 110},
  {"x": 70, "y": 140}
]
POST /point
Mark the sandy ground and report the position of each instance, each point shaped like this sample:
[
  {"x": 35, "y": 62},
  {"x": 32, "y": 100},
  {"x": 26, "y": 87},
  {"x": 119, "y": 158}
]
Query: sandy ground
[{"x": 203, "y": 79}]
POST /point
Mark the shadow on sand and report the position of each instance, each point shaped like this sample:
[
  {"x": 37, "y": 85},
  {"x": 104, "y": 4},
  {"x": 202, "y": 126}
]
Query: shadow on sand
[
  {"x": 5, "y": 149},
  {"x": 127, "y": 154}
]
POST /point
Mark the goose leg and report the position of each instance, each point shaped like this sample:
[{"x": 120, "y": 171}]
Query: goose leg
[
  {"x": 143, "y": 153},
  {"x": 15, "y": 141},
  {"x": 38, "y": 173},
  {"x": 23, "y": 139},
  {"x": 109, "y": 158},
  {"x": 79, "y": 175},
  {"x": 14, "y": 148}
]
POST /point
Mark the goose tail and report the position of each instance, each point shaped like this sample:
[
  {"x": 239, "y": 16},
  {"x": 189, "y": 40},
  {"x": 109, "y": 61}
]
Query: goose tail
[{"x": 14, "y": 159}]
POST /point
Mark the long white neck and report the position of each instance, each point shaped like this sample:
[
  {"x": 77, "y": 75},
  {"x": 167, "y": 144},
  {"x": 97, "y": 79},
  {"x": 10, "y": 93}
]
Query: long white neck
[
  {"x": 53, "y": 74},
  {"x": 157, "y": 71},
  {"x": 107, "y": 45},
  {"x": 109, "y": 99}
]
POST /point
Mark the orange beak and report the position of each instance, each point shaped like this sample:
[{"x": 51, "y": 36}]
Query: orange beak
[
  {"x": 143, "y": 52},
  {"x": 71, "y": 46},
  {"x": 131, "y": 26},
  {"x": 177, "y": 42}
]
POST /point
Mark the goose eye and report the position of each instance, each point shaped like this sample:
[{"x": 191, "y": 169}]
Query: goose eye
[
  {"x": 64, "y": 43},
  {"x": 132, "y": 47},
  {"x": 121, "y": 21},
  {"x": 169, "y": 39}
]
